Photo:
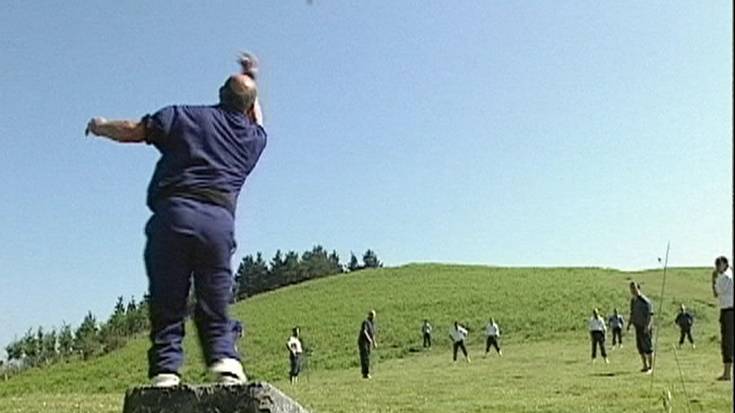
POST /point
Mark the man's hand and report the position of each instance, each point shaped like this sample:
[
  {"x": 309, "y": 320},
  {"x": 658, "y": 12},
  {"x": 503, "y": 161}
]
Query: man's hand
[
  {"x": 93, "y": 126},
  {"x": 256, "y": 113},
  {"x": 249, "y": 64},
  {"x": 715, "y": 274},
  {"x": 124, "y": 131}
]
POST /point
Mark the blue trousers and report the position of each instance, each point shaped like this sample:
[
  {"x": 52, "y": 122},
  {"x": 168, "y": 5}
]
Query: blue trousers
[{"x": 189, "y": 240}]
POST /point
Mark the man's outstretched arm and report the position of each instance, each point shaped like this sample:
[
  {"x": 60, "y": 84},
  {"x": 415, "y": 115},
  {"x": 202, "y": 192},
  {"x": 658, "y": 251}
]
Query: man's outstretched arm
[
  {"x": 124, "y": 131},
  {"x": 250, "y": 68}
]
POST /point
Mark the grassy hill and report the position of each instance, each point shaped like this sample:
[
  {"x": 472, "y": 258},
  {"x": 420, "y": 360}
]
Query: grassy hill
[{"x": 541, "y": 311}]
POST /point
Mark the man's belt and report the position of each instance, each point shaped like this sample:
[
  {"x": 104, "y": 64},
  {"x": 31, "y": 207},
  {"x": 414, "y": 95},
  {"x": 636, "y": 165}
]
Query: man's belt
[{"x": 226, "y": 200}]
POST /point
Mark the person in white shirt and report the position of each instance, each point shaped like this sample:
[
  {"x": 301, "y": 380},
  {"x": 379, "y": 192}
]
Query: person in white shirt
[
  {"x": 722, "y": 287},
  {"x": 295, "y": 352},
  {"x": 597, "y": 332},
  {"x": 426, "y": 333},
  {"x": 492, "y": 331},
  {"x": 458, "y": 334}
]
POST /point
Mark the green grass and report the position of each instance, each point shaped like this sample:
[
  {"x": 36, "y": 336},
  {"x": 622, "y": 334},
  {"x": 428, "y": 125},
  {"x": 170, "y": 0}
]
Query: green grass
[
  {"x": 531, "y": 377},
  {"x": 541, "y": 311}
]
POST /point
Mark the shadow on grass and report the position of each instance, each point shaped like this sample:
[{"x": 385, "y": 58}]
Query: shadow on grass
[
  {"x": 604, "y": 374},
  {"x": 611, "y": 374}
]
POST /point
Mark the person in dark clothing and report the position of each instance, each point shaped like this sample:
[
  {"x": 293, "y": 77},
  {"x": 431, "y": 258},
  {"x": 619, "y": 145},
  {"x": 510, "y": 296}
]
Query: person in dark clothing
[
  {"x": 616, "y": 323},
  {"x": 207, "y": 153},
  {"x": 685, "y": 321},
  {"x": 237, "y": 331},
  {"x": 366, "y": 342},
  {"x": 641, "y": 317},
  {"x": 426, "y": 333}
]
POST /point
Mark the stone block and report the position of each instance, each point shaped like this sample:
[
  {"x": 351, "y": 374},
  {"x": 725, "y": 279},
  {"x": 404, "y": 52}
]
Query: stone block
[{"x": 249, "y": 398}]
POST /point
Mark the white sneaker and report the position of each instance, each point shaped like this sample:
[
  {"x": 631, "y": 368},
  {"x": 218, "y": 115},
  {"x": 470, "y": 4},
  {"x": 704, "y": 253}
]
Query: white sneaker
[
  {"x": 165, "y": 380},
  {"x": 229, "y": 372}
]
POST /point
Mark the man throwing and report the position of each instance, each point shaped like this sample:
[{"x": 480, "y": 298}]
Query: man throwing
[
  {"x": 641, "y": 317},
  {"x": 207, "y": 152}
]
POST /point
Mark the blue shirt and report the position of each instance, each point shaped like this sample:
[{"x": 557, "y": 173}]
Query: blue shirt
[{"x": 207, "y": 152}]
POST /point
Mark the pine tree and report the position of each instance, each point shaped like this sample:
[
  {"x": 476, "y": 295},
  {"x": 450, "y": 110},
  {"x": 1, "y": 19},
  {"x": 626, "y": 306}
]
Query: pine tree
[
  {"x": 336, "y": 266},
  {"x": 277, "y": 269},
  {"x": 292, "y": 271},
  {"x": 136, "y": 317},
  {"x": 243, "y": 278},
  {"x": 354, "y": 264},
  {"x": 315, "y": 263},
  {"x": 131, "y": 312},
  {"x": 14, "y": 350},
  {"x": 66, "y": 341},
  {"x": 30, "y": 348},
  {"x": 86, "y": 340},
  {"x": 112, "y": 333},
  {"x": 370, "y": 260},
  {"x": 116, "y": 323},
  {"x": 40, "y": 356},
  {"x": 50, "y": 347},
  {"x": 142, "y": 319},
  {"x": 131, "y": 307}
]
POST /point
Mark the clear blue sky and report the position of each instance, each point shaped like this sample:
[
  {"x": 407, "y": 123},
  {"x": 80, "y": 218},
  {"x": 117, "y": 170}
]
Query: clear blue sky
[{"x": 544, "y": 133}]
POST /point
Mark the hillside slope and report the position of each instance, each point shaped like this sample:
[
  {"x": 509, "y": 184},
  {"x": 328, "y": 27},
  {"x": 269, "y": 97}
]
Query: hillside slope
[{"x": 530, "y": 304}]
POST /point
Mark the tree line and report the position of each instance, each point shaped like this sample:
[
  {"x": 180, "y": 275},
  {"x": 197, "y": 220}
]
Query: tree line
[
  {"x": 254, "y": 275},
  {"x": 39, "y": 347}
]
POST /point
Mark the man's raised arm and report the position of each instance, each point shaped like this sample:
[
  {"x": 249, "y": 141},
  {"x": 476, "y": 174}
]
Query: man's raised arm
[
  {"x": 249, "y": 65},
  {"x": 124, "y": 131}
]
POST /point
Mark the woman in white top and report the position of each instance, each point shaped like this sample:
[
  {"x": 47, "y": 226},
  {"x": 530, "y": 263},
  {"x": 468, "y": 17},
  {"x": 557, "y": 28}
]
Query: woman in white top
[
  {"x": 722, "y": 287},
  {"x": 458, "y": 334},
  {"x": 597, "y": 329},
  {"x": 492, "y": 331},
  {"x": 426, "y": 334},
  {"x": 295, "y": 351}
]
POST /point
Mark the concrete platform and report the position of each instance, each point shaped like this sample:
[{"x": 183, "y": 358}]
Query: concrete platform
[{"x": 250, "y": 398}]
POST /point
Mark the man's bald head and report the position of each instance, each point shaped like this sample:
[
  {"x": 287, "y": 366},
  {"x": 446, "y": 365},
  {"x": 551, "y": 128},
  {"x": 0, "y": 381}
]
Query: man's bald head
[{"x": 238, "y": 93}]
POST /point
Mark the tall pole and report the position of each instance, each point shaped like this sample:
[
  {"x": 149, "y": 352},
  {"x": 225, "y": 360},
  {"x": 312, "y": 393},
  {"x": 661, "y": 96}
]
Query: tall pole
[{"x": 660, "y": 309}]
